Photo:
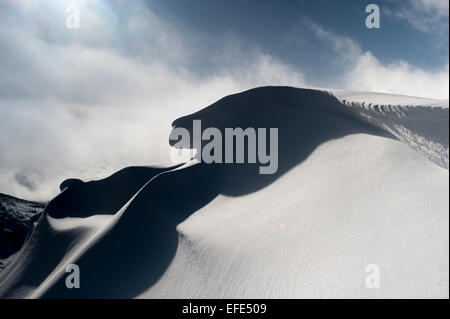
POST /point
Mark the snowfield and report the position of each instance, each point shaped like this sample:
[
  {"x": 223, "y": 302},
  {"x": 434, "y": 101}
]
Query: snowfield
[{"x": 362, "y": 190}]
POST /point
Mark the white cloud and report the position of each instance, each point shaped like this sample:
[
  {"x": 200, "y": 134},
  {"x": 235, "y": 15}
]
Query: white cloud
[
  {"x": 364, "y": 72},
  {"x": 440, "y": 7},
  {"x": 369, "y": 74},
  {"x": 424, "y": 15}
]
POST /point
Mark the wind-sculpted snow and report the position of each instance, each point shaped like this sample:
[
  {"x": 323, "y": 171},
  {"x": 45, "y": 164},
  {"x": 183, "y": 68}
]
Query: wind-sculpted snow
[
  {"x": 362, "y": 184},
  {"x": 420, "y": 123}
]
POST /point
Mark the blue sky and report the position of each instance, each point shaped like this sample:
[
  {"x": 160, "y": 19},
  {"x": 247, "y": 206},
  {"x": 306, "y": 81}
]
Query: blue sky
[
  {"x": 281, "y": 27},
  {"x": 84, "y": 102}
]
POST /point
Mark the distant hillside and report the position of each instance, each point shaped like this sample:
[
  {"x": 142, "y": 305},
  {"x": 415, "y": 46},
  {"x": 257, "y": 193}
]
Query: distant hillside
[{"x": 16, "y": 221}]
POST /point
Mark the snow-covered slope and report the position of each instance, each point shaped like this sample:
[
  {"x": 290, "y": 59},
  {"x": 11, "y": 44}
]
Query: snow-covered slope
[{"x": 362, "y": 185}]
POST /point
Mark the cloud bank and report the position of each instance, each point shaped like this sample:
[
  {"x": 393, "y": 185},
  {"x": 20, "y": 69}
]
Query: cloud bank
[
  {"x": 362, "y": 71},
  {"x": 86, "y": 102}
]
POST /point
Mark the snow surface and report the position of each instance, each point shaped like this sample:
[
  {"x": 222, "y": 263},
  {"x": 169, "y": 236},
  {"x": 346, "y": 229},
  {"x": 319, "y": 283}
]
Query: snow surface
[{"x": 362, "y": 180}]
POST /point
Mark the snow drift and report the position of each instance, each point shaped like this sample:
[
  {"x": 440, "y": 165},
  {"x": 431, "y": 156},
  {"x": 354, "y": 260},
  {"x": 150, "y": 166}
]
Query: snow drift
[{"x": 362, "y": 180}]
